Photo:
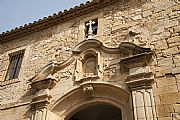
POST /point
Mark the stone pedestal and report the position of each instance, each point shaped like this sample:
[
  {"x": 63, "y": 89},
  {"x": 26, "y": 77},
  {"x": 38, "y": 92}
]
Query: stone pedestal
[{"x": 42, "y": 97}]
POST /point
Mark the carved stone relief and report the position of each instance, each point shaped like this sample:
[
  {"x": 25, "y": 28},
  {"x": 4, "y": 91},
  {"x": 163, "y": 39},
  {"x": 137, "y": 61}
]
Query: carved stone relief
[
  {"x": 63, "y": 74},
  {"x": 88, "y": 89}
]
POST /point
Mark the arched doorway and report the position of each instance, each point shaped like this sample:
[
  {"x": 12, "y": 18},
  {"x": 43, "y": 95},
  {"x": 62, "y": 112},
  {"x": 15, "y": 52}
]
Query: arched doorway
[
  {"x": 105, "y": 95},
  {"x": 98, "y": 112}
]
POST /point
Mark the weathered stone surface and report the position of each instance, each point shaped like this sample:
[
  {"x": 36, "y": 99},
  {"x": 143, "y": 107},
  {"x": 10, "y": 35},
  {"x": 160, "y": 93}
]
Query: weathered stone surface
[
  {"x": 170, "y": 51},
  {"x": 165, "y": 81},
  {"x": 171, "y": 23},
  {"x": 165, "y": 90},
  {"x": 165, "y": 118},
  {"x": 164, "y": 110},
  {"x": 177, "y": 29},
  {"x": 152, "y": 24},
  {"x": 176, "y": 107},
  {"x": 165, "y": 61},
  {"x": 161, "y": 45},
  {"x": 166, "y": 99},
  {"x": 147, "y": 13},
  {"x": 175, "y": 39},
  {"x": 177, "y": 76},
  {"x": 176, "y": 70}
]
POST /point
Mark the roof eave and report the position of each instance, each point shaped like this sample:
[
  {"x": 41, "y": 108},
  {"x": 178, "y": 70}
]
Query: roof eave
[{"x": 53, "y": 20}]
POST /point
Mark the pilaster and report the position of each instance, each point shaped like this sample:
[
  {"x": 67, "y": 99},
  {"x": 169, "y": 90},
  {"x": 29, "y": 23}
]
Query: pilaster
[
  {"x": 41, "y": 98},
  {"x": 139, "y": 81}
]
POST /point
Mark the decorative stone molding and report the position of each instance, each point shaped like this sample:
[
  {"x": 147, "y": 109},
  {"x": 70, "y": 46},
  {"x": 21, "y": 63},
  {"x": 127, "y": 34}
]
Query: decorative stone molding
[
  {"x": 139, "y": 81},
  {"x": 140, "y": 74},
  {"x": 100, "y": 92},
  {"x": 51, "y": 68},
  {"x": 95, "y": 47},
  {"x": 8, "y": 82},
  {"x": 88, "y": 89},
  {"x": 42, "y": 97}
]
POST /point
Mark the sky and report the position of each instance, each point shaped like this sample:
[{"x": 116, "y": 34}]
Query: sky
[{"x": 14, "y": 13}]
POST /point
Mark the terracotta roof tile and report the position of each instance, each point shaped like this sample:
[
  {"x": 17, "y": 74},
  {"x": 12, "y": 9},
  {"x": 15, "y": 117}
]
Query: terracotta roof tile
[{"x": 52, "y": 20}]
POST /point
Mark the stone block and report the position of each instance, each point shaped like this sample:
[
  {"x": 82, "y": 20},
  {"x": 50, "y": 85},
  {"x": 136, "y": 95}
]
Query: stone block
[
  {"x": 176, "y": 107},
  {"x": 174, "y": 44},
  {"x": 166, "y": 90},
  {"x": 147, "y": 6},
  {"x": 137, "y": 17},
  {"x": 161, "y": 71},
  {"x": 159, "y": 30},
  {"x": 176, "y": 8},
  {"x": 176, "y": 58},
  {"x": 170, "y": 51},
  {"x": 173, "y": 15},
  {"x": 160, "y": 45},
  {"x": 164, "y": 110},
  {"x": 164, "y": 81},
  {"x": 169, "y": 98},
  {"x": 177, "y": 29},
  {"x": 147, "y": 13},
  {"x": 171, "y": 23},
  {"x": 176, "y": 70},
  {"x": 165, "y": 61},
  {"x": 165, "y": 35},
  {"x": 174, "y": 39},
  {"x": 177, "y": 76}
]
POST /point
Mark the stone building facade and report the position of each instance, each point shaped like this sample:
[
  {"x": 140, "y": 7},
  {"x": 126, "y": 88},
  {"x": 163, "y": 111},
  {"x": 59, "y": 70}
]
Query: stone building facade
[{"x": 103, "y": 60}]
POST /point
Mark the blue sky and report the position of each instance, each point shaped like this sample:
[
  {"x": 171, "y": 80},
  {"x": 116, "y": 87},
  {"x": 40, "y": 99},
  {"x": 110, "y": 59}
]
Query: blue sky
[{"x": 14, "y": 13}]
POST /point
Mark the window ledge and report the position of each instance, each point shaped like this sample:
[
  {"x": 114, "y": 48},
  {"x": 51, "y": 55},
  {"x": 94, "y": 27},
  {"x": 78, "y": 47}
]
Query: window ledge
[{"x": 8, "y": 82}]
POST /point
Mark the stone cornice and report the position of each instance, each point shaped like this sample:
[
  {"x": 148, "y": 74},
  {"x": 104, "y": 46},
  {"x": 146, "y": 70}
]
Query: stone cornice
[{"x": 49, "y": 21}]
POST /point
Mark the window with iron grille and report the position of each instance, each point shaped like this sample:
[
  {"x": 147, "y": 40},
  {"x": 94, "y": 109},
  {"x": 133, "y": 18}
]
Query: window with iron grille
[{"x": 14, "y": 65}]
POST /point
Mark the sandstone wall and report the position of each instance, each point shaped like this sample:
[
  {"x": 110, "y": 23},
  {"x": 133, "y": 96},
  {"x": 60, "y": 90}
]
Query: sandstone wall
[{"x": 154, "y": 24}]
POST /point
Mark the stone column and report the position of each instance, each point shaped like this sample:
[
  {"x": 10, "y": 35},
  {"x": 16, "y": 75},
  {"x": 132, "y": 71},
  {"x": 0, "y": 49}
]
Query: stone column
[
  {"x": 139, "y": 81},
  {"x": 42, "y": 97}
]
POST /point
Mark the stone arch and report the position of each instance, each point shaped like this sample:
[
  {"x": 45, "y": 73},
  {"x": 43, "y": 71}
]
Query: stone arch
[{"x": 101, "y": 92}]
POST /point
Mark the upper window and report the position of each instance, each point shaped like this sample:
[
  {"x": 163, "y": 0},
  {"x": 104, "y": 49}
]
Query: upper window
[
  {"x": 14, "y": 65},
  {"x": 91, "y": 28}
]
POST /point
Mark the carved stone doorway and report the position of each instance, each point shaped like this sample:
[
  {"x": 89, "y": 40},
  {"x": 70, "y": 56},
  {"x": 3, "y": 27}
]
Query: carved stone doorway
[{"x": 98, "y": 112}]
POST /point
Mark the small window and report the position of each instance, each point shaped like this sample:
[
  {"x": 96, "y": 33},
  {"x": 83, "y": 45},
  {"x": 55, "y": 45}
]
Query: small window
[
  {"x": 14, "y": 65},
  {"x": 91, "y": 28}
]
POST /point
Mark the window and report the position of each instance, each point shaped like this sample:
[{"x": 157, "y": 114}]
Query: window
[
  {"x": 91, "y": 28},
  {"x": 14, "y": 65}
]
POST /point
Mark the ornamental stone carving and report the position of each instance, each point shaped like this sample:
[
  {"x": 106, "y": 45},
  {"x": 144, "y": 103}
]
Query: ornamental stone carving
[
  {"x": 41, "y": 98},
  {"x": 88, "y": 89},
  {"x": 140, "y": 80}
]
